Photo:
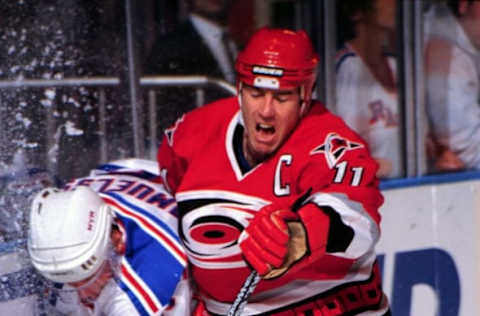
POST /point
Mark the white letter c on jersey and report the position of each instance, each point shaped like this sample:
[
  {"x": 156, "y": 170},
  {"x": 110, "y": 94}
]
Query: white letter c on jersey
[{"x": 278, "y": 189}]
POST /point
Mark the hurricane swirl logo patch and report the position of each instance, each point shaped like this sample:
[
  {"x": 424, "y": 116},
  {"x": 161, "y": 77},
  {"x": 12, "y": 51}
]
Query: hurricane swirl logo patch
[{"x": 210, "y": 232}]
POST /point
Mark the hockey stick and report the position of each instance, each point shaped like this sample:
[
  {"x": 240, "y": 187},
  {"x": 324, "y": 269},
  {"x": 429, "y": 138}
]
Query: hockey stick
[
  {"x": 253, "y": 278},
  {"x": 242, "y": 296}
]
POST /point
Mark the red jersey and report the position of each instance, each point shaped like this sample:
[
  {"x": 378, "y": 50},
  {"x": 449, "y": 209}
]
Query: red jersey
[{"x": 218, "y": 194}]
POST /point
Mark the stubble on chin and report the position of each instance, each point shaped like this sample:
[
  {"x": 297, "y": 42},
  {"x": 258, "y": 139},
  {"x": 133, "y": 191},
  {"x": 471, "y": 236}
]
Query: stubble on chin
[{"x": 253, "y": 157}]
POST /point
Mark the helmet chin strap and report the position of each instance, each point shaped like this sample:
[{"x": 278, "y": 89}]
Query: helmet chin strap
[
  {"x": 303, "y": 108},
  {"x": 303, "y": 105},
  {"x": 239, "y": 92}
]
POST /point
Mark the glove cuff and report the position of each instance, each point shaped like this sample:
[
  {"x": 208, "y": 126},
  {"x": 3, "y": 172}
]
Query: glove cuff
[{"x": 317, "y": 225}]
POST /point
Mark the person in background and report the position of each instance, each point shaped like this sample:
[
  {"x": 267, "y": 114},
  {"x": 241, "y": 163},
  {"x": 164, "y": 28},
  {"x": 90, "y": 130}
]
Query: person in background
[
  {"x": 452, "y": 68},
  {"x": 109, "y": 241},
  {"x": 366, "y": 80},
  {"x": 198, "y": 46},
  {"x": 270, "y": 181}
]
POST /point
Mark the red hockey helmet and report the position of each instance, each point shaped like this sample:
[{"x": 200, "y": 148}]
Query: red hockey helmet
[{"x": 277, "y": 59}]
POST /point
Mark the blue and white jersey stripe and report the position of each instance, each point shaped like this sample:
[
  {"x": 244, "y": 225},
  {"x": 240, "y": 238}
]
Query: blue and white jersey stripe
[{"x": 154, "y": 259}]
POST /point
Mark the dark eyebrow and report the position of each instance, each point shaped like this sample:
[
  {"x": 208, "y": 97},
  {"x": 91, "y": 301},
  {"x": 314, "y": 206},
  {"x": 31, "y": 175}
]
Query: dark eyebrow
[
  {"x": 250, "y": 86},
  {"x": 280, "y": 92}
]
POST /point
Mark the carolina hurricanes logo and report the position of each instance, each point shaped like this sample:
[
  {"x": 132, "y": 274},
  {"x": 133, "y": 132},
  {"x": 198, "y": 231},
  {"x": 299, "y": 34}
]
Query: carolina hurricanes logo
[
  {"x": 334, "y": 148},
  {"x": 210, "y": 234},
  {"x": 210, "y": 229}
]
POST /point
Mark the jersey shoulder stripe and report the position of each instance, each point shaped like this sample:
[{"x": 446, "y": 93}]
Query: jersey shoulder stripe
[
  {"x": 342, "y": 55},
  {"x": 138, "y": 291},
  {"x": 150, "y": 224}
]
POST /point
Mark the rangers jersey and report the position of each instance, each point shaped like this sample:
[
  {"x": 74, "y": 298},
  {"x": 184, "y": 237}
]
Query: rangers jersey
[
  {"x": 369, "y": 108},
  {"x": 218, "y": 194},
  {"x": 154, "y": 260}
]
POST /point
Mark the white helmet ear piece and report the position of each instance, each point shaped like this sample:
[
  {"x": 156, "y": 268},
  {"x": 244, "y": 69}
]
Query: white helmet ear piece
[
  {"x": 303, "y": 104},
  {"x": 239, "y": 93}
]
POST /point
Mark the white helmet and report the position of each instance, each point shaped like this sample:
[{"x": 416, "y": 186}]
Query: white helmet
[{"x": 69, "y": 233}]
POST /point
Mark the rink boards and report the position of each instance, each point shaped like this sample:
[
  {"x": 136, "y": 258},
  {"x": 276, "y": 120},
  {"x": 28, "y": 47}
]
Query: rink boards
[{"x": 429, "y": 250}]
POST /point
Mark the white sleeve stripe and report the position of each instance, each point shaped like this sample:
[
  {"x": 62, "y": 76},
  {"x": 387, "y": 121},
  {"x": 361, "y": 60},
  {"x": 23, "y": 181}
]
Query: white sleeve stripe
[
  {"x": 221, "y": 194},
  {"x": 353, "y": 215}
]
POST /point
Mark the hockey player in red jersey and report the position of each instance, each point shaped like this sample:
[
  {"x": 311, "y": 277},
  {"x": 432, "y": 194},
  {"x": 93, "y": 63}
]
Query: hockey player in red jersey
[{"x": 272, "y": 181}]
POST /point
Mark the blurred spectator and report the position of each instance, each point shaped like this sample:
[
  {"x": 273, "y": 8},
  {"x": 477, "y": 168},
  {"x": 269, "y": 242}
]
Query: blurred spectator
[
  {"x": 195, "y": 47},
  {"x": 452, "y": 61},
  {"x": 198, "y": 45},
  {"x": 366, "y": 79}
]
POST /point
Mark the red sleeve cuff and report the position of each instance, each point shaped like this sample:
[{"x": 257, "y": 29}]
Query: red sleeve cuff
[{"x": 317, "y": 225}]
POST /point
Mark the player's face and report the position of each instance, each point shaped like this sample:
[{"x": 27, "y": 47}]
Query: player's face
[
  {"x": 89, "y": 289},
  {"x": 269, "y": 117}
]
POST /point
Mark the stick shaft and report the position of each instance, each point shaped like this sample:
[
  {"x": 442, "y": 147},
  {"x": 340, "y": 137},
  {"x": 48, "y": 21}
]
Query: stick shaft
[
  {"x": 253, "y": 278},
  {"x": 241, "y": 300}
]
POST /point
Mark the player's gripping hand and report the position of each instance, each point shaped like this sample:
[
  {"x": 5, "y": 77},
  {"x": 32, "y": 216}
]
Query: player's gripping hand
[{"x": 273, "y": 241}]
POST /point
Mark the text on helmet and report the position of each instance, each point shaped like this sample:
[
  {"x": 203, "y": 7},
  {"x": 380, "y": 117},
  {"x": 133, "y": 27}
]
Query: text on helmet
[
  {"x": 276, "y": 72},
  {"x": 91, "y": 220}
]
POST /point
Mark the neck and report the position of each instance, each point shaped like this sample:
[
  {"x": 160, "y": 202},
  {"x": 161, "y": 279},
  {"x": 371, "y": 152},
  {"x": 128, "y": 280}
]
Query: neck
[{"x": 249, "y": 157}]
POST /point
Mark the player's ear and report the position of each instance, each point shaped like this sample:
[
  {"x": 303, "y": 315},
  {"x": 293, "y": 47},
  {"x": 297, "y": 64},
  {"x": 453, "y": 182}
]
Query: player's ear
[{"x": 118, "y": 239}]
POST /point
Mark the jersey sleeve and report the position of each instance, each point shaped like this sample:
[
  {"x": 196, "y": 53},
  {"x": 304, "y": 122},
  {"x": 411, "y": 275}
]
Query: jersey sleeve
[
  {"x": 114, "y": 302},
  {"x": 341, "y": 215},
  {"x": 178, "y": 144}
]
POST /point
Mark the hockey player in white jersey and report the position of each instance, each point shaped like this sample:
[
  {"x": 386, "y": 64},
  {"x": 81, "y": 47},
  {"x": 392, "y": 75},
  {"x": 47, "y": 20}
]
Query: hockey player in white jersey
[{"x": 110, "y": 241}]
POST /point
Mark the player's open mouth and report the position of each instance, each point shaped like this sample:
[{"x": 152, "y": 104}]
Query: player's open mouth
[{"x": 265, "y": 128}]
